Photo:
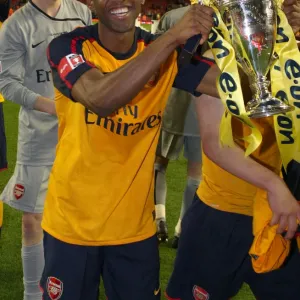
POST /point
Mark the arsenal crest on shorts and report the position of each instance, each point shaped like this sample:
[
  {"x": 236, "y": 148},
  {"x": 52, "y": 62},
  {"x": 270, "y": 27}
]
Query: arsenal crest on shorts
[
  {"x": 19, "y": 191},
  {"x": 199, "y": 293},
  {"x": 54, "y": 288}
]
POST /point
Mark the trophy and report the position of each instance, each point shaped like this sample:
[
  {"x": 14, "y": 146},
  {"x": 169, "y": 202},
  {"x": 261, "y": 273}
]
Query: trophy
[{"x": 253, "y": 36}]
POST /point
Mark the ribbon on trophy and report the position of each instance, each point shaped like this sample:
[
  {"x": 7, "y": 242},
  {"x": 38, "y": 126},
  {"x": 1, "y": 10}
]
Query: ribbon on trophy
[
  {"x": 269, "y": 249},
  {"x": 229, "y": 85},
  {"x": 284, "y": 83},
  {"x": 285, "y": 79}
]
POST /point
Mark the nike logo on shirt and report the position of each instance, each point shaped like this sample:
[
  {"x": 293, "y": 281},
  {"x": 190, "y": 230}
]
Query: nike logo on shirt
[{"x": 34, "y": 46}]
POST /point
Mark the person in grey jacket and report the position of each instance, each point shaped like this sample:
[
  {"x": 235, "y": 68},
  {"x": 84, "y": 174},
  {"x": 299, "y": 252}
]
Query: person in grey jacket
[
  {"x": 25, "y": 78},
  {"x": 179, "y": 131}
]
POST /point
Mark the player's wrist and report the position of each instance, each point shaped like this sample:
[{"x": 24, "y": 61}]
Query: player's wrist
[
  {"x": 273, "y": 183},
  {"x": 45, "y": 105},
  {"x": 172, "y": 38}
]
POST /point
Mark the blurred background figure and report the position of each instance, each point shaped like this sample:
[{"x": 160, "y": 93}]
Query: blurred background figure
[
  {"x": 25, "y": 79},
  {"x": 5, "y": 11},
  {"x": 179, "y": 131}
]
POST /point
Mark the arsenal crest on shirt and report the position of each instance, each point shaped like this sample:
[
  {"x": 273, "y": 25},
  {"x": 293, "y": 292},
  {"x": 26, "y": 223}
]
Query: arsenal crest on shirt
[
  {"x": 199, "y": 293},
  {"x": 54, "y": 288},
  {"x": 19, "y": 191}
]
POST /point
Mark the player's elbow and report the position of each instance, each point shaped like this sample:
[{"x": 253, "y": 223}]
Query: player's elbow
[
  {"x": 211, "y": 147},
  {"x": 106, "y": 102},
  {"x": 102, "y": 112},
  {"x": 96, "y": 100},
  {"x": 100, "y": 105}
]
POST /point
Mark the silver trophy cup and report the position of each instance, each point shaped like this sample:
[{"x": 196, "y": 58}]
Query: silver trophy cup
[{"x": 253, "y": 35}]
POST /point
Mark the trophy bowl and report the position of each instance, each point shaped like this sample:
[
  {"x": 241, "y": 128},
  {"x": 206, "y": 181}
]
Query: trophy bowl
[{"x": 253, "y": 30}]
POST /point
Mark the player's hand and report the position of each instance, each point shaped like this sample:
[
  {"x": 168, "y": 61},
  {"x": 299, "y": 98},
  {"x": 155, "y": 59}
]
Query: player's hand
[
  {"x": 285, "y": 208},
  {"x": 45, "y": 105},
  {"x": 198, "y": 19},
  {"x": 292, "y": 10}
]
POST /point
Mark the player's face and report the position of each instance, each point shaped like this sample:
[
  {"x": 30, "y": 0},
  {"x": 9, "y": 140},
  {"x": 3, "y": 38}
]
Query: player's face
[{"x": 118, "y": 15}]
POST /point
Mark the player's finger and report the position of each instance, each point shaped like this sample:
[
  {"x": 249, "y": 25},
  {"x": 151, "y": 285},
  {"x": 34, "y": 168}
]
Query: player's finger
[
  {"x": 282, "y": 225},
  {"x": 289, "y": 2},
  {"x": 295, "y": 29},
  {"x": 205, "y": 9},
  {"x": 292, "y": 227},
  {"x": 294, "y": 18},
  {"x": 275, "y": 219},
  {"x": 206, "y": 21},
  {"x": 202, "y": 14},
  {"x": 205, "y": 34},
  {"x": 198, "y": 27},
  {"x": 205, "y": 25},
  {"x": 289, "y": 10},
  {"x": 295, "y": 24}
]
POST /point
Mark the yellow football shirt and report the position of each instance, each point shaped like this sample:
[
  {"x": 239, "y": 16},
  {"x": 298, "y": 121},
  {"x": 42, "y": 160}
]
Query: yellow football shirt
[
  {"x": 101, "y": 188},
  {"x": 224, "y": 191}
]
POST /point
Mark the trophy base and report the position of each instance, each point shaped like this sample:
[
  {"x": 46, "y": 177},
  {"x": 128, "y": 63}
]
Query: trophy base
[{"x": 268, "y": 107}]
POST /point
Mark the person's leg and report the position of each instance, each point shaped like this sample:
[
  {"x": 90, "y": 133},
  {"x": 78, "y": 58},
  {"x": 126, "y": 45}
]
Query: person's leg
[
  {"x": 160, "y": 168},
  {"x": 169, "y": 147},
  {"x": 280, "y": 284},
  {"x": 26, "y": 192},
  {"x": 192, "y": 152},
  {"x": 131, "y": 271},
  {"x": 72, "y": 272},
  {"x": 1, "y": 216},
  {"x": 210, "y": 258},
  {"x": 3, "y": 159},
  {"x": 32, "y": 255}
]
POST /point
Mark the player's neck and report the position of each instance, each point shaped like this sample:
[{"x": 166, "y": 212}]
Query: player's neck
[
  {"x": 116, "y": 42},
  {"x": 50, "y": 7}
]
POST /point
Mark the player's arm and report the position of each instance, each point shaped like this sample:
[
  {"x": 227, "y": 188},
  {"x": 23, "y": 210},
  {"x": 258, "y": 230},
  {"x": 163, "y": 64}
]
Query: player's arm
[
  {"x": 284, "y": 206},
  {"x": 292, "y": 10},
  {"x": 12, "y": 58},
  {"x": 208, "y": 85},
  {"x": 199, "y": 77},
  {"x": 104, "y": 93},
  {"x": 200, "y": 70}
]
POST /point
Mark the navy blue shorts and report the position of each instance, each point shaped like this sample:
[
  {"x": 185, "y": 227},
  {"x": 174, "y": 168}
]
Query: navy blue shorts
[
  {"x": 128, "y": 271},
  {"x": 212, "y": 260},
  {"x": 3, "y": 160}
]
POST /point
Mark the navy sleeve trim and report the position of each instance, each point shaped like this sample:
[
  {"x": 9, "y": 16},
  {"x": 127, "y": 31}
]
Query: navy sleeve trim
[
  {"x": 67, "y": 61},
  {"x": 189, "y": 76}
]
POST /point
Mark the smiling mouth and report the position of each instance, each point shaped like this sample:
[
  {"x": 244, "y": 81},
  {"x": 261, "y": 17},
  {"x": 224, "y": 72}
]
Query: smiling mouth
[{"x": 120, "y": 12}]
